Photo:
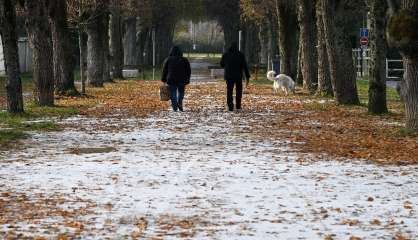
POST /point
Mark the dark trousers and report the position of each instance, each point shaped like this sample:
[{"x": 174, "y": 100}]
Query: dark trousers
[
  {"x": 230, "y": 84},
  {"x": 177, "y": 95}
]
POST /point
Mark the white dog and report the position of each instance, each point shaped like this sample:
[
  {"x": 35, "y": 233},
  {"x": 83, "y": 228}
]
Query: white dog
[{"x": 281, "y": 82}]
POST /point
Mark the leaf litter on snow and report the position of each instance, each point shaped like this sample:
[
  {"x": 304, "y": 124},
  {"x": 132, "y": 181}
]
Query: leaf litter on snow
[
  {"x": 209, "y": 181},
  {"x": 210, "y": 174}
]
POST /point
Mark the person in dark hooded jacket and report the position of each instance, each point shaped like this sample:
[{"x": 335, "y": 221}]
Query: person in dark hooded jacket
[
  {"x": 176, "y": 73},
  {"x": 235, "y": 66}
]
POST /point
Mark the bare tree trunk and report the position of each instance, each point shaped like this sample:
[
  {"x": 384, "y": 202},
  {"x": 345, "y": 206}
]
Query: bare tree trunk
[
  {"x": 129, "y": 42},
  {"x": 95, "y": 52},
  {"x": 230, "y": 22},
  {"x": 411, "y": 92},
  {"x": 263, "y": 38},
  {"x": 299, "y": 75},
  {"x": 339, "y": 49},
  {"x": 148, "y": 48},
  {"x": 64, "y": 62},
  {"x": 11, "y": 56},
  {"x": 402, "y": 34},
  {"x": 82, "y": 40},
  {"x": 116, "y": 50},
  {"x": 324, "y": 78},
  {"x": 251, "y": 44},
  {"x": 288, "y": 37},
  {"x": 307, "y": 35},
  {"x": 56, "y": 59},
  {"x": 142, "y": 47},
  {"x": 39, "y": 33},
  {"x": 377, "y": 76},
  {"x": 164, "y": 39},
  {"x": 231, "y": 30},
  {"x": 106, "y": 49}
]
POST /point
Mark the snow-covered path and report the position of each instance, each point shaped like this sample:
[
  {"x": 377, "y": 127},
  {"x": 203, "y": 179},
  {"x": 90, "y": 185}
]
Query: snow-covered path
[{"x": 207, "y": 177}]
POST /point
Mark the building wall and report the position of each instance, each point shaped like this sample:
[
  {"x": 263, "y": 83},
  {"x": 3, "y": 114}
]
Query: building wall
[{"x": 25, "y": 57}]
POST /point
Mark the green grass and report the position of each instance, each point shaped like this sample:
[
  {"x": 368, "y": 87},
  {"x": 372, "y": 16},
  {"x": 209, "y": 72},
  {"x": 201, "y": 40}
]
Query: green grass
[
  {"x": 261, "y": 80},
  {"x": 16, "y": 126},
  {"x": 35, "y": 119},
  {"x": 408, "y": 133},
  {"x": 7, "y": 136},
  {"x": 147, "y": 74},
  {"x": 27, "y": 84},
  {"x": 363, "y": 90},
  {"x": 34, "y": 111}
]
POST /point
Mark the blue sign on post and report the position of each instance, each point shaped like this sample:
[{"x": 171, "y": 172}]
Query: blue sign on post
[{"x": 364, "y": 32}]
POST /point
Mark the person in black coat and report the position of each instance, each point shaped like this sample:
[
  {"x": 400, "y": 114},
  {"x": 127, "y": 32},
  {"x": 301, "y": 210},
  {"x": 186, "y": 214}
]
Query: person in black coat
[
  {"x": 176, "y": 73},
  {"x": 235, "y": 66}
]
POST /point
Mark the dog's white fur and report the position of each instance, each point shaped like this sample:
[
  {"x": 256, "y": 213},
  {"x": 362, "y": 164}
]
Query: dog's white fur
[{"x": 281, "y": 82}]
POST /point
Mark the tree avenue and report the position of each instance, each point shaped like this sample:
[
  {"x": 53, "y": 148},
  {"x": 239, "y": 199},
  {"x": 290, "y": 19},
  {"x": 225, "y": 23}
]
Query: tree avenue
[{"x": 311, "y": 41}]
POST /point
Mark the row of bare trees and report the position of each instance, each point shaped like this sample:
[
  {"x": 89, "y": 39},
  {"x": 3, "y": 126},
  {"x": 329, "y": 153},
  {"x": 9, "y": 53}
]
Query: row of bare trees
[
  {"x": 112, "y": 34},
  {"x": 313, "y": 42},
  {"x": 313, "y": 38},
  {"x": 49, "y": 36},
  {"x": 50, "y": 28}
]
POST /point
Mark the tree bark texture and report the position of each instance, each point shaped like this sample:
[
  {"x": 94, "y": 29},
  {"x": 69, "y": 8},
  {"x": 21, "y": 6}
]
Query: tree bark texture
[
  {"x": 251, "y": 44},
  {"x": 324, "y": 78},
  {"x": 263, "y": 38},
  {"x": 273, "y": 36},
  {"x": 307, "y": 44},
  {"x": 129, "y": 42},
  {"x": 95, "y": 51},
  {"x": 230, "y": 21},
  {"x": 39, "y": 33},
  {"x": 411, "y": 67},
  {"x": 142, "y": 47},
  {"x": 64, "y": 62},
  {"x": 164, "y": 41},
  {"x": 82, "y": 41},
  {"x": 11, "y": 56},
  {"x": 148, "y": 48},
  {"x": 338, "y": 15},
  {"x": 288, "y": 37},
  {"x": 377, "y": 74},
  {"x": 106, "y": 49},
  {"x": 299, "y": 74},
  {"x": 411, "y": 92},
  {"x": 403, "y": 34},
  {"x": 116, "y": 43}
]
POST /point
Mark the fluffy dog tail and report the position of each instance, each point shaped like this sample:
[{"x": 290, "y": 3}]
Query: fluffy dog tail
[{"x": 271, "y": 76}]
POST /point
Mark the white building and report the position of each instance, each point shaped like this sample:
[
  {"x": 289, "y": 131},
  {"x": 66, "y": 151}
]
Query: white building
[{"x": 25, "y": 57}]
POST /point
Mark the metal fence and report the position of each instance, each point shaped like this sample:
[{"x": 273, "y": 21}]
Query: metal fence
[
  {"x": 394, "y": 69},
  {"x": 361, "y": 59},
  {"x": 25, "y": 55}
]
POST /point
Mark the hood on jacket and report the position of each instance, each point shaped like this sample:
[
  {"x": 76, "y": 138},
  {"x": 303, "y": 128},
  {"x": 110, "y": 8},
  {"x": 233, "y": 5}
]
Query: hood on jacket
[
  {"x": 233, "y": 47},
  {"x": 176, "y": 52}
]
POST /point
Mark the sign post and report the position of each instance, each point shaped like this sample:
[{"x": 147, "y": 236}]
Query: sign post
[
  {"x": 364, "y": 36},
  {"x": 364, "y": 42}
]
